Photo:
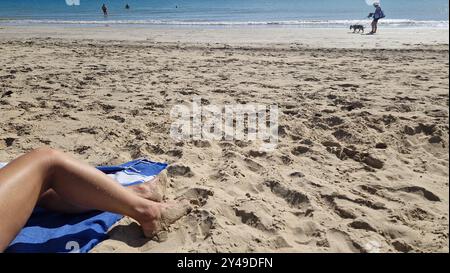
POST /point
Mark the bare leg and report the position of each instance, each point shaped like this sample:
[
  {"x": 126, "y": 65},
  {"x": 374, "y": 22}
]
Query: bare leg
[
  {"x": 153, "y": 190},
  {"x": 52, "y": 201},
  {"x": 375, "y": 26},
  {"x": 25, "y": 179}
]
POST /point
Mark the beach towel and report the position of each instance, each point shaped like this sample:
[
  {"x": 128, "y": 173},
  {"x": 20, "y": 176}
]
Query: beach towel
[{"x": 53, "y": 232}]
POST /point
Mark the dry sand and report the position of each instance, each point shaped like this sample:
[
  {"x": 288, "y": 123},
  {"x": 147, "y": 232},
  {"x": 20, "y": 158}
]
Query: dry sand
[{"x": 362, "y": 161}]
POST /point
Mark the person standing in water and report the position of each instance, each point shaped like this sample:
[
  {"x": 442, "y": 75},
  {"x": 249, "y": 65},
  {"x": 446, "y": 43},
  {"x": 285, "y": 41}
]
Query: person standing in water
[
  {"x": 105, "y": 10},
  {"x": 127, "y": 6},
  {"x": 377, "y": 15}
]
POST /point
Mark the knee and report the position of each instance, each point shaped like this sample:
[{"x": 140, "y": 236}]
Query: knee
[
  {"x": 47, "y": 156},
  {"x": 46, "y": 152}
]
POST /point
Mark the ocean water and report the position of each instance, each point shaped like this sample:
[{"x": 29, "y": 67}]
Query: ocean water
[{"x": 302, "y": 13}]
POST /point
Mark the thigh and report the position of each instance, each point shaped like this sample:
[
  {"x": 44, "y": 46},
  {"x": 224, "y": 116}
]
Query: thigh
[
  {"x": 21, "y": 183},
  {"x": 52, "y": 201}
]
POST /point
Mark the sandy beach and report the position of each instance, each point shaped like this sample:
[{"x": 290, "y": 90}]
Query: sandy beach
[
  {"x": 283, "y": 36},
  {"x": 362, "y": 158}
]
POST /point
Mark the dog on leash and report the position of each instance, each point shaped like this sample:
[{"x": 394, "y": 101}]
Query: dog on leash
[{"x": 358, "y": 28}]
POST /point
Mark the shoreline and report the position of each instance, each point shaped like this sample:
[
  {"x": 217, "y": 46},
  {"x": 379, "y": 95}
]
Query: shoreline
[
  {"x": 387, "y": 38},
  {"x": 337, "y": 23}
]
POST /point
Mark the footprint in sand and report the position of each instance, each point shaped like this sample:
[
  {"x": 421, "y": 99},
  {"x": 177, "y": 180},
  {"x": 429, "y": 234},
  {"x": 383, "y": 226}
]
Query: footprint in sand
[
  {"x": 293, "y": 197},
  {"x": 198, "y": 196},
  {"x": 422, "y": 192},
  {"x": 361, "y": 224},
  {"x": 419, "y": 214},
  {"x": 106, "y": 107},
  {"x": 372, "y": 161},
  {"x": 334, "y": 121},
  {"x": 381, "y": 145},
  {"x": 401, "y": 246},
  {"x": 255, "y": 153},
  {"x": 202, "y": 223},
  {"x": 342, "y": 134},
  {"x": 435, "y": 140},
  {"x": 286, "y": 159},
  {"x": 351, "y": 152},
  {"x": 340, "y": 241},
  {"x": 180, "y": 170},
  {"x": 299, "y": 150},
  {"x": 175, "y": 153},
  {"x": 341, "y": 211},
  {"x": 427, "y": 129},
  {"x": 250, "y": 218}
]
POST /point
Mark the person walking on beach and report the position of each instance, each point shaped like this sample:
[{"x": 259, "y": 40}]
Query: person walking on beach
[
  {"x": 377, "y": 15},
  {"x": 105, "y": 10}
]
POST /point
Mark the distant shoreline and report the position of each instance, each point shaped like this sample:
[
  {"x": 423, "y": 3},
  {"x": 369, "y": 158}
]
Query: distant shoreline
[
  {"x": 387, "y": 38},
  {"x": 390, "y": 23}
]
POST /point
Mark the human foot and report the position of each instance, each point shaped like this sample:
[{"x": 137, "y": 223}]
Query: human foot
[
  {"x": 160, "y": 217},
  {"x": 154, "y": 189}
]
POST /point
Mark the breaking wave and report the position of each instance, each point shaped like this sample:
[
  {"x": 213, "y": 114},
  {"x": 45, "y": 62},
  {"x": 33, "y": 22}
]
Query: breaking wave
[{"x": 299, "y": 23}]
